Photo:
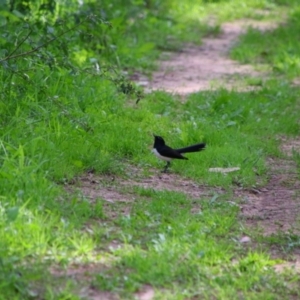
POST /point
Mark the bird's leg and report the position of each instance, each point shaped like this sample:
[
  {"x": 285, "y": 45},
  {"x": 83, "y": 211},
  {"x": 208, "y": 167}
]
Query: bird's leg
[{"x": 166, "y": 167}]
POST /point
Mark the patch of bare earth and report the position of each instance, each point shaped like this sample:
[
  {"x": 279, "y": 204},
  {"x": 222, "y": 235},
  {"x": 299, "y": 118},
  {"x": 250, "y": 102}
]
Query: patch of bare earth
[
  {"x": 117, "y": 189},
  {"x": 82, "y": 274},
  {"x": 275, "y": 207},
  {"x": 146, "y": 293}
]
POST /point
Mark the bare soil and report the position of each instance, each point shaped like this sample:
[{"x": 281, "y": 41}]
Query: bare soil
[{"x": 275, "y": 207}]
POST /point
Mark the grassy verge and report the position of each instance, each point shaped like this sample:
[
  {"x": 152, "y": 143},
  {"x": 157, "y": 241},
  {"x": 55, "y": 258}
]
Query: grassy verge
[
  {"x": 276, "y": 48},
  {"x": 58, "y": 122}
]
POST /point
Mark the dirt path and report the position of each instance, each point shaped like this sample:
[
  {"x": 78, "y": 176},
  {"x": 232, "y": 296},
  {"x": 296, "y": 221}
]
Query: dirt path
[{"x": 207, "y": 66}]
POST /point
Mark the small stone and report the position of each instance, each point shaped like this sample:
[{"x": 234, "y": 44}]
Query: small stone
[
  {"x": 245, "y": 239},
  {"x": 224, "y": 170}
]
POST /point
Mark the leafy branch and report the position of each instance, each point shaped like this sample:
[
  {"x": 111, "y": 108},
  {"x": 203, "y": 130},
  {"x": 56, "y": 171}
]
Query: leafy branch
[{"x": 12, "y": 56}]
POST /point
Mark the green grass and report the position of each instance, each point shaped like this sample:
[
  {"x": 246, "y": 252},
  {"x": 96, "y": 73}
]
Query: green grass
[
  {"x": 59, "y": 122},
  {"x": 221, "y": 10},
  {"x": 278, "y": 48}
]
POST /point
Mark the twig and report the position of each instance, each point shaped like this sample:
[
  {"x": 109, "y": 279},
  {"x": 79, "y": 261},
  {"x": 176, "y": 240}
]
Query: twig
[{"x": 18, "y": 46}]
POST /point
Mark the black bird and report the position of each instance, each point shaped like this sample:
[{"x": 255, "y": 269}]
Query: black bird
[{"x": 164, "y": 152}]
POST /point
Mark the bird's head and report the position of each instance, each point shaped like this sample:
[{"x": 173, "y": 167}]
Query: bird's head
[{"x": 158, "y": 141}]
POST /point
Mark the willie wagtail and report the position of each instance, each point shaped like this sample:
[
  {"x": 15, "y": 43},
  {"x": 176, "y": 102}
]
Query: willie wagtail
[{"x": 164, "y": 152}]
